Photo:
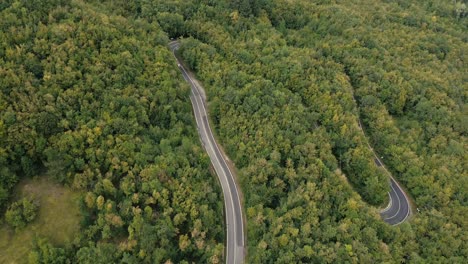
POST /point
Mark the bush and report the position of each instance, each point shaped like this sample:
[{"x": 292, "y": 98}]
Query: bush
[{"x": 20, "y": 213}]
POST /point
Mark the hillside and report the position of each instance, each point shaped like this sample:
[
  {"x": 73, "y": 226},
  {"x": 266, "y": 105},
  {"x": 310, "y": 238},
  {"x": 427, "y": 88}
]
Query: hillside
[
  {"x": 281, "y": 76},
  {"x": 91, "y": 96},
  {"x": 95, "y": 101}
]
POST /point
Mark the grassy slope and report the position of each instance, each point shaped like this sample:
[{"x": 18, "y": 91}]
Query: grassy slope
[{"x": 58, "y": 219}]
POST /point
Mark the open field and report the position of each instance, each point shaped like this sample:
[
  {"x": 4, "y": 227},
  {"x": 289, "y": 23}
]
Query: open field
[{"x": 57, "y": 220}]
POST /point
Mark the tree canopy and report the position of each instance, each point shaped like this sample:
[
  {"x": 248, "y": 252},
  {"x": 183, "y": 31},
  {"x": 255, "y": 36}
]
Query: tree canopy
[
  {"x": 91, "y": 94},
  {"x": 96, "y": 101}
]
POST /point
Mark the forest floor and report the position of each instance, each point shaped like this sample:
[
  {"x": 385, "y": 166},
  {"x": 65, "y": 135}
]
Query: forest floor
[{"x": 58, "y": 219}]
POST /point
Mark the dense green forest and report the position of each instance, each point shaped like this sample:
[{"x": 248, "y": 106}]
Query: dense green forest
[
  {"x": 281, "y": 77},
  {"x": 91, "y": 95},
  {"x": 96, "y": 101}
]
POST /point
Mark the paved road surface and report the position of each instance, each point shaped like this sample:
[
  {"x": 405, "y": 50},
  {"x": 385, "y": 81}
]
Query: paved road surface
[
  {"x": 233, "y": 210},
  {"x": 398, "y": 209}
]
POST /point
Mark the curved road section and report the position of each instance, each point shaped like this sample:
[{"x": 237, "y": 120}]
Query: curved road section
[
  {"x": 233, "y": 210},
  {"x": 398, "y": 209}
]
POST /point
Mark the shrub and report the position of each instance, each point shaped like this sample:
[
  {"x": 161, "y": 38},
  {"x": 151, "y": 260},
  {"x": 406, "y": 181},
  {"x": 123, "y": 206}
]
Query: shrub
[{"x": 20, "y": 213}]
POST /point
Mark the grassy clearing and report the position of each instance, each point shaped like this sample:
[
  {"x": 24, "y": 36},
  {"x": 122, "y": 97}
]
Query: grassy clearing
[{"x": 58, "y": 219}]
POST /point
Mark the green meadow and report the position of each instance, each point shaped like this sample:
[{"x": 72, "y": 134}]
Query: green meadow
[{"x": 57, "y": 220}]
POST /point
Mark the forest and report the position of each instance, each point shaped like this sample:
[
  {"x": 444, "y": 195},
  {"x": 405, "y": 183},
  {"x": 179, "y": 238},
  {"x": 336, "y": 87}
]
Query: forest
[
  {"x": 90, "y": 94},
  {"x": 95, "y": 100}
]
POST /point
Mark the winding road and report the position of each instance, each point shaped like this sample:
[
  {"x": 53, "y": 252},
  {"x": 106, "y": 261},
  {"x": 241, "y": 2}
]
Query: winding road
[
  {"x": 233, "y": 210},
  {"x": 398, "y": 209}
]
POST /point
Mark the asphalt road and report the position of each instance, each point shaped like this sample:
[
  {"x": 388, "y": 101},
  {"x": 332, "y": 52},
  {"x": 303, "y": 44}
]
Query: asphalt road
[
  {"x": 233, "y": 211},
  {"x": 398, "y": 209}
]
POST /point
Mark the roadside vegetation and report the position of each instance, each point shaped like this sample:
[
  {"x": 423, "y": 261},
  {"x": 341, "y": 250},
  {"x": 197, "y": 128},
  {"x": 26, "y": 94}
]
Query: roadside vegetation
[
  {"x": 91, "y": 94},
  {"x": 280, "y": 78},
  {"x": 95, "y": 100}
]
